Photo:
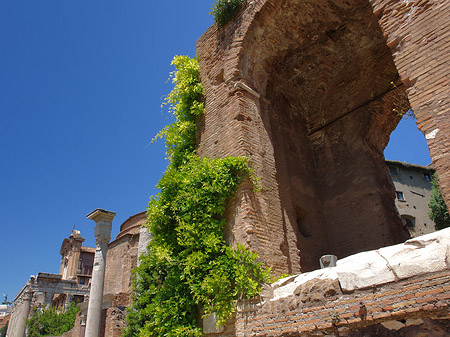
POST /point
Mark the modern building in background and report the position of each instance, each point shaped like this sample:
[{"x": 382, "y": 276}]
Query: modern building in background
[{"x": 412, "y": 185}]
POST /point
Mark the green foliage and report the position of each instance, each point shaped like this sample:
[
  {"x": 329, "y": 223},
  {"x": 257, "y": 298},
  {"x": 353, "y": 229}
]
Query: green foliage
[
  {"x": 438, "y": 209},
  {"x": 48, "y": 322},
  {"x": 226, "y": 10},
  {"x": 189, "y": 267},
  {"x": 3, "y": 330},
  {"x": 185, "y": 102},
  {"x": 274, "y": 279}
]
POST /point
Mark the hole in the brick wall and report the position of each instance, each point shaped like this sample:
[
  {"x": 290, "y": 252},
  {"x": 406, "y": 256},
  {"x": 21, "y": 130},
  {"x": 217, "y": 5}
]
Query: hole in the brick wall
[
  {"x": 408, "y": 148},
  {"x": 240, "y": 117},
  {"x": 304, "y": 227},
  {"x": 407, "y": 143},
  {"x": 219, "y": 78},
  {"x": 336, "y": 34},
  {"x": 330, "y": 293}
]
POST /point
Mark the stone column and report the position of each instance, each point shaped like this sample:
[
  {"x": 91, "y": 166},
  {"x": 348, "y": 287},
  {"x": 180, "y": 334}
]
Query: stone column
[
  {"x": 21, "y": 313},
  {"x": 48, "y": 299},
  {"x": 68, "y": 301},
  {"x": 102, "y": 232}
]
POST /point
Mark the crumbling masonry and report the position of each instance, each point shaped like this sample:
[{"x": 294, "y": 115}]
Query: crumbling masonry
[{"x": 310, "y": 91}]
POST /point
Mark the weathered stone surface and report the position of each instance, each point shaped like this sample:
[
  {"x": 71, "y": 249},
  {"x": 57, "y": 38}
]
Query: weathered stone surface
[
  {"x": 413, "y": 321},
  {"x": 300, "y": 284},
  {"x": 417, "y": 306},
  {"x": 363, "y": 270},
  {"x": 424, "y": 254},
  {"x": 393, "y": 325}
]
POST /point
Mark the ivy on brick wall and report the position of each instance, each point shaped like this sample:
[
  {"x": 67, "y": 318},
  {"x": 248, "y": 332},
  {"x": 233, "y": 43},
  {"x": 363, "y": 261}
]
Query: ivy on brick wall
[
  {"x": 226, "y": 10},
  {"x": 189, "y": 267}
]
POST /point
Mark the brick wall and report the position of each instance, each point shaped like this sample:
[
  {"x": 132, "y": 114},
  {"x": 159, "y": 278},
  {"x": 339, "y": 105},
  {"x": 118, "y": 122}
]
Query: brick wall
[
  {"x": 113, "y": 322},
  {"x": 120, "y": 260},
  {"x": 426, "y": 296},
  {"x": 310, "y": 92},
  {"x": 418, "y": 34}
]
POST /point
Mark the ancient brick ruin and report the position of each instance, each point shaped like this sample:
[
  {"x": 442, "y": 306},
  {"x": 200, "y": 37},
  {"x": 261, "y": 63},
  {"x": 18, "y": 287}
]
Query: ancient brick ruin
[{"x": 310, "y": 91}]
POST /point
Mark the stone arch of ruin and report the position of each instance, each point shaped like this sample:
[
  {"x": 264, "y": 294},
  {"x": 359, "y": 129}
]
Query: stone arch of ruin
[{"x": 310, "y": 91}]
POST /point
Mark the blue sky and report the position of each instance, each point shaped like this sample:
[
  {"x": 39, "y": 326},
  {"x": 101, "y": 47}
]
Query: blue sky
[{"x": 81, "y": 84}]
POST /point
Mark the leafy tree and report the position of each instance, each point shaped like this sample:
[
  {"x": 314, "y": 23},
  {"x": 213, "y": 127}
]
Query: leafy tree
[
  {"x": 48, "y": 322},
  {"x": 438, "y": 209},
  {"x": 189, "y": 267}
]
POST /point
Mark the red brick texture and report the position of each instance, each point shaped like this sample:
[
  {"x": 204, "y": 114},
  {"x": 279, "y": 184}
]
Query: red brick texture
[
  {"x": 326, "y": 91},
  {"x": 310, "y": 91},
  {"x": 418, "y": 34},
  {"x": 420, "y": 297}
]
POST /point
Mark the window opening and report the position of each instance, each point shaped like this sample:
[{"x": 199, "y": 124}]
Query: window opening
[
  {"x": 409, "y": 221},
  {"x": 400, "y": 196}
]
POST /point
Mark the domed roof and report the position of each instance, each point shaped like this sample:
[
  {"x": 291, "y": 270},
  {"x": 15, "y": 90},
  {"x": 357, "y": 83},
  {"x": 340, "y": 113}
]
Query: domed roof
[{"x": 132, "y": 224}]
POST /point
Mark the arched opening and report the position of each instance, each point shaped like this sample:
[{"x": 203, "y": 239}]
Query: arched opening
[
  {"x": 308, "y": 90},
  {"x": 332, "y": 98}
]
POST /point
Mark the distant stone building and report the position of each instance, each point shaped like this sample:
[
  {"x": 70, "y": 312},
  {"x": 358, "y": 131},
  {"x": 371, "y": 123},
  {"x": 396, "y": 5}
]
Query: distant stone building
[
  {"x": 76, "y": 260},
  {"x": 5, "y": 314},
  {"x": 76, "y": 264},
  {"x": 412, "y": 190},
  {"x": 56, "y": 290},
  {"x": 73, "y": 283},
  {"x": 121, "y": 258}
]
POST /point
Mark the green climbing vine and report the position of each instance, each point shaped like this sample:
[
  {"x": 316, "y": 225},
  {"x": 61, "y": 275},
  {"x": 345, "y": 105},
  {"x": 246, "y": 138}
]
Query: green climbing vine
[{"x": 189, "y": 268}]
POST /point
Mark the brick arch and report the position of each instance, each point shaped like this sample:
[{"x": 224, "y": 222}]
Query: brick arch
[{"x": 307, "y": 90}]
